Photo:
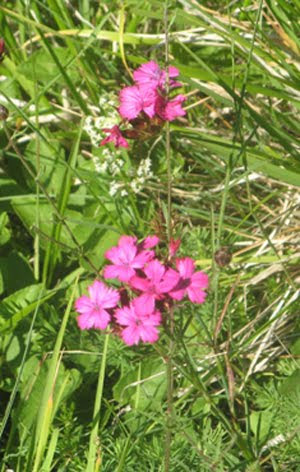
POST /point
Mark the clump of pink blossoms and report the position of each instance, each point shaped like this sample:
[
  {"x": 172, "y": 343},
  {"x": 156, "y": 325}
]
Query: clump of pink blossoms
[
  {"x": 150, "y": 287},
  {"x": 145, "y": 105}
]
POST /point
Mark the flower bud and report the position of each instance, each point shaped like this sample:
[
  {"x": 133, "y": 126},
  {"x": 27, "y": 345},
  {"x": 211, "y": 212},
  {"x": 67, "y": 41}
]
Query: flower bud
[
  {"x": 2, "y": 49},
  {"x": 223, "y": 256},
  {"x": 3, "y": 113}
]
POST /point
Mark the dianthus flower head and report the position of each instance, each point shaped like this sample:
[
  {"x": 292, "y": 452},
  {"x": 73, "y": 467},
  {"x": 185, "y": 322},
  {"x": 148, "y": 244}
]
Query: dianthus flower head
[
  {"x": 114, "y": 136},
  {"x": 158, "y": 281},
  {"x": 134, "y": 100},
  {"x": 126, "y": 258},
  {"x": 190, "y": 282},
  {"x": 150, "y": 75},
  {"x": 93, "y": 308},
  {"x": 140, "y": 323}
]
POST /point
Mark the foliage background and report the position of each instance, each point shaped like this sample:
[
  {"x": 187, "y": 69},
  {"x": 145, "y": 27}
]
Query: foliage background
[{"x": 64, "y": 201}]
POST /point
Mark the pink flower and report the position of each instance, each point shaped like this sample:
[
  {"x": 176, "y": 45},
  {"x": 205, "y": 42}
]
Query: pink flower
[
  {"x": 126, "y": 257},
  {"x": 158, "y": 281},
  {"x": 141, "y": 324},
  {"x": 190, "y": 283},
  {"x": 170, "y": 110},
  {"x": 150, "y": 75},
  {"x": 134, "y": 99},
  {"x": 115, "y": 136},
  {"x": 92, "y": 309}
]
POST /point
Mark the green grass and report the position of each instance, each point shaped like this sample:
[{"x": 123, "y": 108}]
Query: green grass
[{"x": 74, "y": 401}]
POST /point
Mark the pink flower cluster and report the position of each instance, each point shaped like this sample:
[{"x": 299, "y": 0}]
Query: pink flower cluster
[
  {"x": 148, "y": 290},
  {"x": 146, "y": 100}
]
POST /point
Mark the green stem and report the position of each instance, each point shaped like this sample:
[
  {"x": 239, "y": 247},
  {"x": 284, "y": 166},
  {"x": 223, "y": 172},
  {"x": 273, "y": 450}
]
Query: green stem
[
  {"x": 169, "y": 364},
  {"x": 93, "y": 461}
]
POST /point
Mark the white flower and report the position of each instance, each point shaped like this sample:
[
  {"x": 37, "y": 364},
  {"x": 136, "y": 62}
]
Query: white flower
[
  {"x": 144, "y": 169},
  {"x": 114, "y": 187}
]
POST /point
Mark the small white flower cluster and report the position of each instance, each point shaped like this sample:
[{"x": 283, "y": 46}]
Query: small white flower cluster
[
  {"x": 115, "y": 187},
  {"x": 108, "y": 163},
  {"x": 142, "y": 174},
  {"x": 107, "y": 118},
  {"x": 93, "y": 127}
]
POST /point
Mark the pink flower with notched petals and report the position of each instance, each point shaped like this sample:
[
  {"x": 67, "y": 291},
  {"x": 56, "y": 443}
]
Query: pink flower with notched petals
[
  {"x": 126, "y": 258},
  {"x": 140, "y": 323},
  {"x": 115, "y": 136},
  {"x": 150, "y": 75},
  {"x": 158, "y": 281},
  {"x": 190, "y": 282},
  {"x": 134, "y": 99},
  {"x": 93, "y": 309},
  {"x": 170, "y": 110}
]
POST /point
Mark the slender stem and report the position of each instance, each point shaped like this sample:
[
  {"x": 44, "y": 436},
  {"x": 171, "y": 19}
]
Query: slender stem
[
  {"x": 170, "y": 387},
  {"x": 168, "y": 145},
  {"x": 93, "y": 461},
  {"x": 169, "y": 361}
]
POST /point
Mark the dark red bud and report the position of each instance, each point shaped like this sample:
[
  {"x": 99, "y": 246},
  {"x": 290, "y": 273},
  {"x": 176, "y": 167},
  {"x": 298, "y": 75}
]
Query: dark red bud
[{"x": 2, "y": 48}]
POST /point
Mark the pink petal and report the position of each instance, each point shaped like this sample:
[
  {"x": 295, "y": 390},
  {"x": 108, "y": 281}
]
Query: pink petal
[
  {"x": 178, "y": 295},
  {"x": 150, "y": 241},
  {"x": 196, "y": 295},
  {"x": 121, "y": 142},
  {"x": 155, "y": 318},
  {"x": 95, "y": 319},
  {"x": 96, "y": 291},
  {"x": 130, "y": 335},
  {"x": 125, "y": 316},
  {"x": 155, "y": 271},
  {"x": 173, "y": 71},
  {"x": 149, "y": 109},
  {"x": 110, "y": 298},
  {"x": 173, "y": 108},
  {"x": 185, "y": 267},
  {"x": 145, "y": 303},
  {"x": 120, "y": 272},
  {"x": 170, "y": 280},
  {"x": 142, "y": 258},
  {"x": 127, "y": 240},
  {"x": 113, "y": 255},
  {"x": 115, "y": 136},
  {"x": 127, "y": 253},
  {"x": 148, "y": 74},
  {"x": 200, "y": 280},
  {"x": 84, "y": 304},
  {"x": 148, "y": 334},
  {"x": 140, "y": 283},
  {"x": 131, "y": 103}
]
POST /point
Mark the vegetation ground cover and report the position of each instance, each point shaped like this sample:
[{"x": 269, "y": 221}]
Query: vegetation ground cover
[{"x": 220, "y": 390}]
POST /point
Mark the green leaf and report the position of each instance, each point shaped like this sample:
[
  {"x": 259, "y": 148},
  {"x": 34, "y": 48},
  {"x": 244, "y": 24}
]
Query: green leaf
[
  {"x": 5, "y": 233},
  {"x": 291, "y": 385},
  {"x": 42, "y": 66},
  {"x": 16, "y": 263},
  {"x": 48, "y": 162},
  {"x": 145, "y": 393},
  {"x": 20, "y": 304},
  {"x": 260, "y": 423}
]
